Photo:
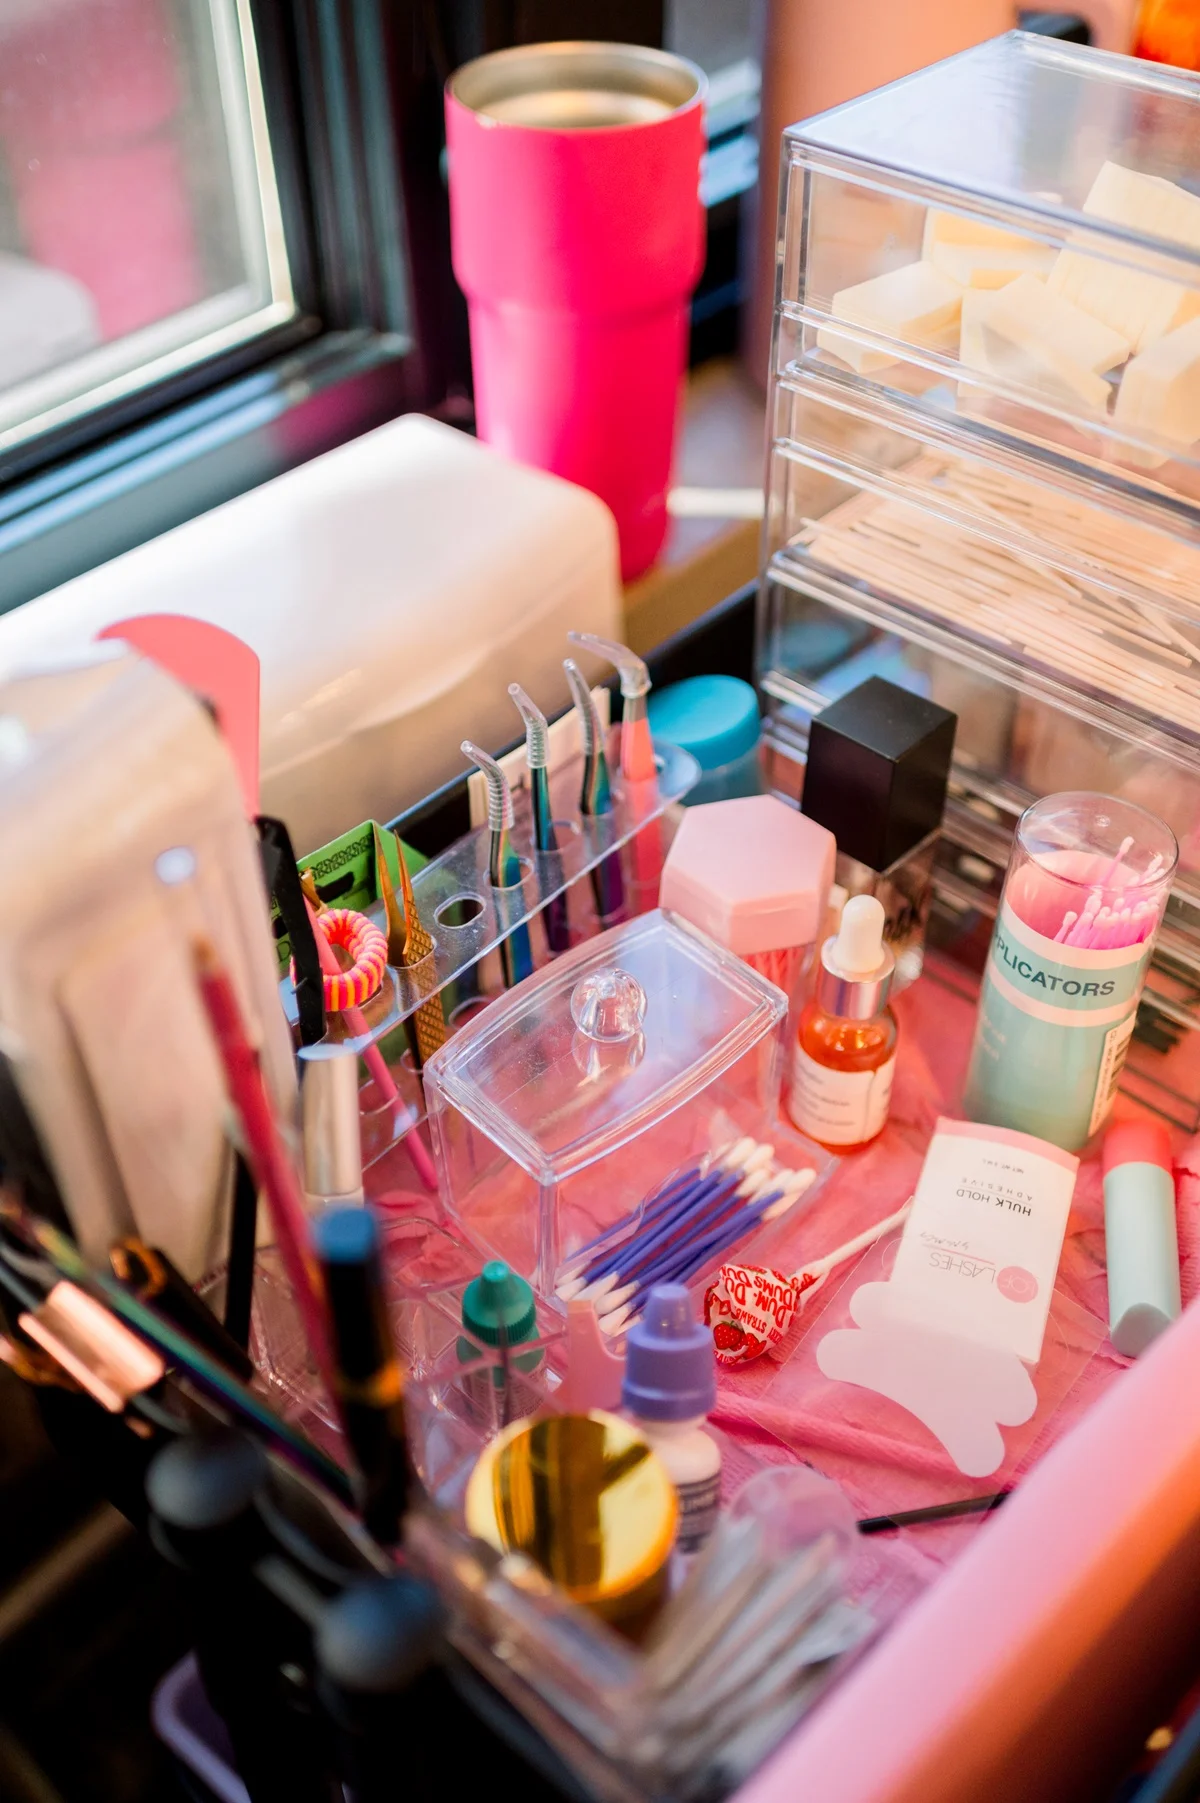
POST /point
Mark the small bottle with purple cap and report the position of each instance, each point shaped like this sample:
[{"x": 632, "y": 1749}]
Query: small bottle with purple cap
[{"x": 670, "y": 1387}]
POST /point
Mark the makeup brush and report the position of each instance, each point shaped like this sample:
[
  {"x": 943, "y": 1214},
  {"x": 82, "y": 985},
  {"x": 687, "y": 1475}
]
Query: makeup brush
[
  {"x": 370, "y": 1384},
  {"x": 191, "y": 1360}
]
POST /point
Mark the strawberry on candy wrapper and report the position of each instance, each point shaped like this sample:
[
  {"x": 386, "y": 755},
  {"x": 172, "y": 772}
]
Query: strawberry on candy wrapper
[{"x": 750, "y": 1308}]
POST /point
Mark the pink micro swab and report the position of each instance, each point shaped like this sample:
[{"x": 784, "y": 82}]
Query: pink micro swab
[
  {"x": 1122, "y": 850},
  {"x": 1099, "y": 930},
  {"x": 1080, "y": 933}
]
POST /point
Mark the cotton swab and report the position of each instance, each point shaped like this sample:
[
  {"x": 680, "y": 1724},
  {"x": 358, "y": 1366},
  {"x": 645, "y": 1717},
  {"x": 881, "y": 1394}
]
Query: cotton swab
[
  {"x": 687, "y": 1260},
  {"x": 683, "y": 1221},
  {"x": 809, "y": 1277},
  {"x": 692, "y": 1258},
  {"x": 1081, "y": 931},
  {"x": 767, "y": 1197},
  {"x": 683, "y": 1262},
  {"x": 636, "y": 1254},
  {"x": 583, "y": 1276},
  {"x": 666, "y": 1215},
  {"x": 727, "y": 1157},
  {"x": 752, "y": 1192}
]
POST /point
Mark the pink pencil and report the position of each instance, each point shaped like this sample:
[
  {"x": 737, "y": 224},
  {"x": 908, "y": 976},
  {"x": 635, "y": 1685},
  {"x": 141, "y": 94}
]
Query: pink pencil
[{"x": 265, "y": 1150}]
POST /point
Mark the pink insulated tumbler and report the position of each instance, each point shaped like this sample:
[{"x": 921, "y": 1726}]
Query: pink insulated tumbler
[{"x": 578, "y": 236}]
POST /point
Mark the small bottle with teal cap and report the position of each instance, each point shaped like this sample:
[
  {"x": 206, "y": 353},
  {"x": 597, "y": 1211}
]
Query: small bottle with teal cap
[
  {"x": 716, "y": 719},
  {"x": 498, "y": 1309},
  {"x": 669, "y": 1388}
]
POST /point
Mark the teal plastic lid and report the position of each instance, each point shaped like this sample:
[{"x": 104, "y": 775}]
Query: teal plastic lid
[
  {"x": 713, "y": 717},
  {"x": 499, "y": 1298}
]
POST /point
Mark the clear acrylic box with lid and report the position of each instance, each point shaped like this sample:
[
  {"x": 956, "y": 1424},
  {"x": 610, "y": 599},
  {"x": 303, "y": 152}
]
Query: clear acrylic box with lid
[
  {"x": 565, "y": 1104},
  {"x": 1011, "y": 239}
]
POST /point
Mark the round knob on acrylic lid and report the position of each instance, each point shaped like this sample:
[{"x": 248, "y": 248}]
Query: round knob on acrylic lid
[{"x": 608, "y": 1005}]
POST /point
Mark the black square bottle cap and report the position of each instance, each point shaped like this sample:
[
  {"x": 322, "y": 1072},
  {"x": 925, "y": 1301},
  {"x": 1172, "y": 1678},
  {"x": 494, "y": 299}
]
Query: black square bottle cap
[{"x": 878, "y": 766}]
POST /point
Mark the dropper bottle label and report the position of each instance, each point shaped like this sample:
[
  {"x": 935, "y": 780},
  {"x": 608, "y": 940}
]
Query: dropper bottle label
[{"x": 844, "y": 1059}]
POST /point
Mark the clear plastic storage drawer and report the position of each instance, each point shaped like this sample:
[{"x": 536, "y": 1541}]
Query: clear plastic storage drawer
[
  {"x": 1098, "y": 602},
  {"x": 1011, "y": 237}
]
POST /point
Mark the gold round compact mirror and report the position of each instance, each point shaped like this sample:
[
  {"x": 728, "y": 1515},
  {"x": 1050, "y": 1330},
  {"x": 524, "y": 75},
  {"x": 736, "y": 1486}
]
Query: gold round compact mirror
[{"x": 589, "y": 1501}]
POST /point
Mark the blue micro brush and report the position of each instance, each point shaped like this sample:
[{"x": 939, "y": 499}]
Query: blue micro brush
[
  {"x": 504, "y": 864},
  {"x": 537, "y": 756}
]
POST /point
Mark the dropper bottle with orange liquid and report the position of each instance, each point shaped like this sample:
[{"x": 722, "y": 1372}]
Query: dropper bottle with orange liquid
[{"x": 845, "y": 1053}]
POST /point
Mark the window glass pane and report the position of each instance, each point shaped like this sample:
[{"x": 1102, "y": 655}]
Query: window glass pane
[
  {"x": 139, "y": 224},
  {"x": 717, "y": 34},
  {"x": 724, "y": 37}
]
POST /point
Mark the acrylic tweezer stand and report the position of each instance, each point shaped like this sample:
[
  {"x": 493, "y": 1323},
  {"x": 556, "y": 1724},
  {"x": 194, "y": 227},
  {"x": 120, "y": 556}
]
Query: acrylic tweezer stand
[{"x": 468, "y": 920}]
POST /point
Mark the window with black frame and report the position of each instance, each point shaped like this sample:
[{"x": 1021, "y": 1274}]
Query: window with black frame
[
  {"x": 140, "y": 226},
  {"x": 206, "y": 259},
  {"x": 224, "y": 245}
]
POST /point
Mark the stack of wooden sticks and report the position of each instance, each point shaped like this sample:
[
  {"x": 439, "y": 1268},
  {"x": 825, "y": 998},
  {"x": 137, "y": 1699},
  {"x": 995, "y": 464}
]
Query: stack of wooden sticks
[{"x": 960, "y": 553}]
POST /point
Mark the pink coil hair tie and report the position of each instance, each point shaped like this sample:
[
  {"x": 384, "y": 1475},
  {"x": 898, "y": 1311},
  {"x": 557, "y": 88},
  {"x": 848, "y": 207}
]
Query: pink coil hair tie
[{"x": 368, "y": 948}]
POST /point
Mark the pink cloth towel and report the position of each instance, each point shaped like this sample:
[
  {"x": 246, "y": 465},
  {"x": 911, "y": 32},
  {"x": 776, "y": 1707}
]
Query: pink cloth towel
[{"x": 883, "y": 1457}]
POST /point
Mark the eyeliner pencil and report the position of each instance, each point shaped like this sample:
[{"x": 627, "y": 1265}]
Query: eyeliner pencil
[
  {"x": 243, "y": 1244},
  {"x": 368, "y": 1386},
  {"x": 911, "y": 1518}
]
